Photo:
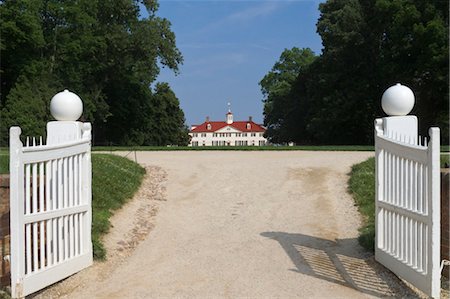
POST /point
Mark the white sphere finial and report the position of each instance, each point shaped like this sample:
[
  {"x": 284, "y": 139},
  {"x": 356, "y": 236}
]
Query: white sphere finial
[
  {"x": 66, "y": 105},
  {"x": 397, "y": 100}
]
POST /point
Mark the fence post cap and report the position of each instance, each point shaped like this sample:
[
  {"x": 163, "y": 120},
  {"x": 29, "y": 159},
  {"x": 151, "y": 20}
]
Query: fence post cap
[
  {"x": 66, "y": 106},
  {"x": 397, "y": 100}
]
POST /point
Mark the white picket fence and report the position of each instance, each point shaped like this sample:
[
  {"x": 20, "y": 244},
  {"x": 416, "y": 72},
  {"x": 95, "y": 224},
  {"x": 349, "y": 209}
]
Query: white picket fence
[
  {"x": 408, "y": 207},
  {"x": 50, "y": 210}
]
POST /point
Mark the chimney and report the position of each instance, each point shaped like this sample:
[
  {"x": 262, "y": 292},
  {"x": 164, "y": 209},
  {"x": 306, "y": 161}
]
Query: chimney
[
  {"x": 207, "y": 119},
  {"x": 250, "y": 119}
]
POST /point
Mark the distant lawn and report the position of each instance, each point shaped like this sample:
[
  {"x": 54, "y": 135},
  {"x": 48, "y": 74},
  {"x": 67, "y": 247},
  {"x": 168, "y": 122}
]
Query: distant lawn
[
  {"x": 444, "y": 148},
  {"x": 237, "y": 148},
  {"x": 4, "y": 164},
  {"x": 114, "y": 182},
  {"x": 445, "y": 159},
  {"x": 362, "y": 186}
]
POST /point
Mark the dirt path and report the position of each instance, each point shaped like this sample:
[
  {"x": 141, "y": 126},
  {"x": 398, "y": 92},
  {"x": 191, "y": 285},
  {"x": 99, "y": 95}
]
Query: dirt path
[{"x": 238, "y": 224}]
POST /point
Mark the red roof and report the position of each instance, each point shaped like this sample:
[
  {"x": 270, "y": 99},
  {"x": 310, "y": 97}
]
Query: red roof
[{"x": 238, "y": 125}]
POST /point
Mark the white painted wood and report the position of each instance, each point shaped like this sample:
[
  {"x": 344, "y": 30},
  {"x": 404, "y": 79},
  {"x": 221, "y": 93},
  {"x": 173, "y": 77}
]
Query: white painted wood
[
  {"x": 16, "y": 208},
  {"x": 41, "y": 209},
  {"x": 48, "y": 229},
  {"x": 53, "y": 274},
  {"x": 50, "y": 193},
  {"x": 434, "y": 181},
  {"x": 76, "y": 235},
  {"x": 55, "y": 214},
  {"x": 407, "y": 213}
]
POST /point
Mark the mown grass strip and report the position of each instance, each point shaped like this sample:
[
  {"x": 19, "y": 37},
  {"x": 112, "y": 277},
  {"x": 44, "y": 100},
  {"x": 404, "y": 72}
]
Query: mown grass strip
[
  {"x": 362, "y": 186},
  {"x": 4, "y": 164},
  {"x": 445, "y": 160},
  {"x": 114, "y": 182},
  {"x": 237, "y": 148}
]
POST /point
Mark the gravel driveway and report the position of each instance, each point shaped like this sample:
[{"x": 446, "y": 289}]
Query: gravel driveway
[{"x": 238, "y": 224}]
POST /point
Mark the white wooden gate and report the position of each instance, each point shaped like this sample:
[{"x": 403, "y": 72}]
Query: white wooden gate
[
  {"x": 408, "y": 207},
  {"x": 50, "y": 206}
]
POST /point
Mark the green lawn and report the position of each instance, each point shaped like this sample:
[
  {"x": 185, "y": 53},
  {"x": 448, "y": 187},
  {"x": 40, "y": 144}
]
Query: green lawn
[
  {"x": 114, "y": 181},
  {"x": 445, "y": 159},
  {"x": 362, "y": 186},
  {"x": 237, "y": 148},
  {"x": 4, "y": 164}
]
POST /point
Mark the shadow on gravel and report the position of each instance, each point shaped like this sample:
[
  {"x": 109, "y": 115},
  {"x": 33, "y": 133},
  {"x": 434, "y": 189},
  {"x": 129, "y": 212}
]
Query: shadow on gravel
[{"x": 340, "y": 262}]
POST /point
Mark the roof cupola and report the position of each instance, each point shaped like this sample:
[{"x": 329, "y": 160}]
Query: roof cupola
[{"x": 229, "y": 115}]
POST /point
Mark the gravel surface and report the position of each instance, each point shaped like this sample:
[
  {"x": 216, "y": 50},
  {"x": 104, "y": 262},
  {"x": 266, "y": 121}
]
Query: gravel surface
[{"x": 237, "y": 224}]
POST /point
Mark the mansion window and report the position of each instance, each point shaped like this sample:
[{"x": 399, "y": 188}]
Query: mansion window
[
  {"x": 238, "y": 134},
  {"x": 262, "y": 142},
  {"x": 241, "y": 142},
  {"x": 194, "y": 135},
  {"x": 195, "y": 143},
  {"x": 253, "y": 134},
  {"x": 208, "y": 126},
  {"x": 203, "y": 134},
  {"x": 244, "y": 134},
  {"x": 261, "y": 134}
]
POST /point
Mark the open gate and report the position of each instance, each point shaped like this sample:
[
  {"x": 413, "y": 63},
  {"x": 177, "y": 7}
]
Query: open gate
[
  {"x": 407, "y": 211},
  {"x": 50, "y": 209}
]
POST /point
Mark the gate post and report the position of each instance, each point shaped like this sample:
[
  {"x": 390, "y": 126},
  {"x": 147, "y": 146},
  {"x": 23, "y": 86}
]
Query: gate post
[
  {"x": 407, "y": 198},
  {"x": 16, "y": 208},
  {"x": 434, "y": 148},
  {"x": 50, "y": 200}
]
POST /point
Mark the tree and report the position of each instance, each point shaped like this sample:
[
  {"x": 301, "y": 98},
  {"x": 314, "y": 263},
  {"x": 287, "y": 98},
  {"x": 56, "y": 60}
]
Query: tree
[
  {"x": 414, "y": 48},
  {"x": 102, "y": 50},
  {"x": 279, "y": 103},
  {"x": 167, "y": 121},
  {"x": 369, "y": 46},
  {"x": 27, "y": 95},
  {"x": 21, "y": 41}
]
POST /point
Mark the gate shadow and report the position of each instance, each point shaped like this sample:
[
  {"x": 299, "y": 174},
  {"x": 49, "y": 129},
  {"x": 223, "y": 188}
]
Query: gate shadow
[{"x": 339, "y": 262}]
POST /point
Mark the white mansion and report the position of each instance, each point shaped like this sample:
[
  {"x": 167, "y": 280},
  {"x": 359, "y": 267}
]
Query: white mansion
[{"x": 227, "y": 133}]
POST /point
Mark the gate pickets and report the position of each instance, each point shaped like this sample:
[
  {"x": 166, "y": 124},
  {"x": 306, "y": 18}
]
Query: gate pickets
[
  {"x": 408, "y": 207},
  {"x": 50, "y": 206}
]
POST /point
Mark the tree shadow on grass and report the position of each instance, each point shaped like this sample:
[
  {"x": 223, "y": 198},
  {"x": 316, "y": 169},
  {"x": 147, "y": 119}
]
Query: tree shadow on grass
[{"x": 338, "y": 262}]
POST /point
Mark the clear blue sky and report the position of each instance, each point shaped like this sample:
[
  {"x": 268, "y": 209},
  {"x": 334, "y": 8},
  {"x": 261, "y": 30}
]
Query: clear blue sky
[{"x": 228, "y": 47}]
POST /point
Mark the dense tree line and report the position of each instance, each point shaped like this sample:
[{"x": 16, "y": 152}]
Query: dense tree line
[
  {"x": 368, "y": 46},
  {"x": 104, "y": 51}
]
